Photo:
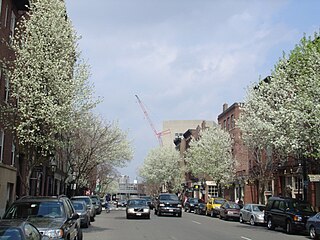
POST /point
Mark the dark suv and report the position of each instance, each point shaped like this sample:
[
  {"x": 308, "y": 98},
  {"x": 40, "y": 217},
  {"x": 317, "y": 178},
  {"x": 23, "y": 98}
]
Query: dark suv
[
  {"x": 167, "y": 203},
  {"x": 288, "y": 213},
  {"x": 54, "y": 217}
]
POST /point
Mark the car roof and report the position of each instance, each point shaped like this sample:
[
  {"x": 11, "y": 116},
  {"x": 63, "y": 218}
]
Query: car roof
[{"x": 39, "y": 198}]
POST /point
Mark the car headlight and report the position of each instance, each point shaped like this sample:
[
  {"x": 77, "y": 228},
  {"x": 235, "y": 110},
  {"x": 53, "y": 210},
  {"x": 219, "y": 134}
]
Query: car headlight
[
  {"x": 297, "y": 218},
  {"x": 54, "y": 233},
  {"x": 179, "y": 205},
  {"x": 146, "y": 210},
  {"x": 161, "y": 205},
  {"x": 130, "y": 210}
]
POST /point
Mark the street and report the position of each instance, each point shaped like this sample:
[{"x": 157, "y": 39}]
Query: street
[{"x": 115, "y": 226}]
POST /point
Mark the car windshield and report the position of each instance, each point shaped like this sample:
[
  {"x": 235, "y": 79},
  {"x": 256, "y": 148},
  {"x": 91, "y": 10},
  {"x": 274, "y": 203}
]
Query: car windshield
[
  {"x": 86, "y": 199},
  {"x": 232, "y": 205},
  {"x": 193, "y": 200},
  {"x": 218, "y": 201},
  {"x": 78, "y": 206},
  {"x": 301, "y": 206},
  {"x": 257, "y": 208},
  {"x": 169, "y": 197},
  {"x": 10, "y": 233},
  {"x": 137, "y": 202},
  {"x": 35, "y": 209}
]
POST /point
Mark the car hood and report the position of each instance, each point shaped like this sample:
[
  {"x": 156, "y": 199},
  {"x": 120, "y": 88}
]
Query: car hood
[
  {"x": 44, "y": 223},
  {"x": 169, "y": 201},
  {"x": 138, "y": 206}
]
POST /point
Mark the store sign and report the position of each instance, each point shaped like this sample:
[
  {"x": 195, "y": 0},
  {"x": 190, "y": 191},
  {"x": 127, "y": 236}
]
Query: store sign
[{"x": 314, "y": 177}]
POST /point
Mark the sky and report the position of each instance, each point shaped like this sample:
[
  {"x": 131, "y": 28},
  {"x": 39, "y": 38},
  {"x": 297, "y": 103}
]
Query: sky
[{"x": 183, "y": 58}]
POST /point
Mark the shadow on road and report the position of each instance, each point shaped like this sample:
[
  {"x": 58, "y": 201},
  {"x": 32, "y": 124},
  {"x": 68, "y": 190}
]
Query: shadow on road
[{"x": 93, "y": 228}]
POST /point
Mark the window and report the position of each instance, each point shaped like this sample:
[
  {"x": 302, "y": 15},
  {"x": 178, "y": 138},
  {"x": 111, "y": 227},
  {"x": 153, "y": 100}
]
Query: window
[
  {"x": 298, "y": 183},
  {"x": 232, "y": 121},
  {"x": 213, "y": 190},
  {"x": 6, "y": 89},
  {"x": 13, "y": 152},
  {"x": 224, "y": 124},
  {"x": 228, "y": 123},
  {"x": 6, "y": 16},
  {"x": 0, "y": 10},
  {"x": 1, "y": 144},
  {"x": 12, "y": 25}
]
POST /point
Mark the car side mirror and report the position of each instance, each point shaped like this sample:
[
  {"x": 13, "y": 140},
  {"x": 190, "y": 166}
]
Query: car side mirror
[{"x": 74, "y": 216}]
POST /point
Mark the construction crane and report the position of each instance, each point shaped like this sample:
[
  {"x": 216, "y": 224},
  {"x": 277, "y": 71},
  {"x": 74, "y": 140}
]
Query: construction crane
[{"x": 156, "y": 133}]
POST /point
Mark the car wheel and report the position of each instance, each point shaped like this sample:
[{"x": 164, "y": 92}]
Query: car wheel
[
  {"x": 159, "y": 213},
  {"x": 241, "y": 219},
  {"x": 80, "y": 235},
  {"x": 179, "y": 214},
  {"x": 270, "y": 225},
  {"x": 87, "y": 223},
  {"x": 155, "y": 212},
  {"x": 92, "y": 219},
  {"x": 148, "y": 216},
  {"x": 211, "y": 214},
  {"x": 289, "y": 229},
  {"x": 312, "y": 233},
  {"x": 252, "y": 221},
  {"x": 207, "y": 214}
]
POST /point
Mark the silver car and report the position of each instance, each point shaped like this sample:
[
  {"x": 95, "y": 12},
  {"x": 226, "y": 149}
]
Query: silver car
[
  {"x": 89, "y": 203},
  {"x": 252, "y": 213}
]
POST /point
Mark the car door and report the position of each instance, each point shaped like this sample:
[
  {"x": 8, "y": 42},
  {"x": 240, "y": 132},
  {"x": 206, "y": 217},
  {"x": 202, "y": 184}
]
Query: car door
[
  {"x": 246, "y": 212},
  {"x": 71, "y": 223}
]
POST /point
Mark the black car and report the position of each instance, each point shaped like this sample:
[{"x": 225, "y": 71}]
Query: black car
[
  {"x": 83, "y": 212},
  {"x": 167, "y": 203},
  {"x": 149, "y": 201},
  {"x": 54, "y": 217},
  {"x": 18, "y": 229},
  {"x": 288, "y": 213},
  {"x": 97, "y": 203},
  {"x": 200, "y": 208},
  {"x": 190, "y": 204}
]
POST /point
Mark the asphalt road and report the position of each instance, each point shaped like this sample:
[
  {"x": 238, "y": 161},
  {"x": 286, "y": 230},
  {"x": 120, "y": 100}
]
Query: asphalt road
[{"x": 115, "y": 226}]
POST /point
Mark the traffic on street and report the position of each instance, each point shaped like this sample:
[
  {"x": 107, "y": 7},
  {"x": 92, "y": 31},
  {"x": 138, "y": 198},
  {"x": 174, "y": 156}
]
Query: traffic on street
[{"x": 115, "y": 226}]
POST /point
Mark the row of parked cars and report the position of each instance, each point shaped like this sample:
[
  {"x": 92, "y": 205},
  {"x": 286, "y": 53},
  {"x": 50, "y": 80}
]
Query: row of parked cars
[
  {"x": 49, "y": 217},
  {"x": 291, "y": 214}
]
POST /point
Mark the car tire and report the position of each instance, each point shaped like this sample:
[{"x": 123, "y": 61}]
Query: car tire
[
  {"x": 211, "y": 214},
  {"x": 179, "y": 214},
  {"x": 270, "y": 225},
  {"x": 159, "y": 213},
  {"x": 80, "y": 235},
  {"x": 313, "y": 233},
  {"x": 289, "y": 229},
  {"x": 241, "y": 219},
  {"x": 207, "y": 214},
  {"x": 148, "y": 216},
  {"x": 252, "y": 221},
  {"x": 92, "y": 219},
  {"x": 86, "y": 225}
]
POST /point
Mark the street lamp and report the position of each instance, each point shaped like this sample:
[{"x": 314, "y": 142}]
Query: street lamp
[{"x": 53, "y": 164}]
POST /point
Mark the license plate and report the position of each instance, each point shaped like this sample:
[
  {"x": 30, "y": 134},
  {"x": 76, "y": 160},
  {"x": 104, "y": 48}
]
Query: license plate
[
  {"x": 138, "y": 214},
  {"x": 170, "y": 210}
]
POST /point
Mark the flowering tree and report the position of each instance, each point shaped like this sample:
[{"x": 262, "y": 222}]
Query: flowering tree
[
  {"x": 283, "y": 112},
  {"x": 211, "y": 155},
  {"x": 162, "y": 168},
  {"x": 97, "y": 148},
  {"x": 44, "y": 81}
]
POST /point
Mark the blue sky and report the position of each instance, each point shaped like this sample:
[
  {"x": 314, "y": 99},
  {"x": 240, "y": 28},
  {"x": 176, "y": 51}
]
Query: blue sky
[{"x": 183, "y": 58}]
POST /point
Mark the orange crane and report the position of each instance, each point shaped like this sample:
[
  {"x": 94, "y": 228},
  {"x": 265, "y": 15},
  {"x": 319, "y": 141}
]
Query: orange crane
[{"x": 157, "y": 134}]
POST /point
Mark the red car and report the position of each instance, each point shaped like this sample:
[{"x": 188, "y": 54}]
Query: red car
[{"x": 229, "y": 210}]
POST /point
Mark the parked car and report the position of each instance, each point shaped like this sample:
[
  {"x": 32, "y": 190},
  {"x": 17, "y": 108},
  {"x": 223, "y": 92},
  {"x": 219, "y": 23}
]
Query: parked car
[
  {"x": 54, "y": 217},
  {"x": 200, "y": 208},
  {"x": 229, "y": 210},
  {"x": 137, "y": 207},
  {"x": 17, "y": 229},
  {"x": 97, "y": 203},
  {"x": 313, "y": 226},
  {"x": 289, "y": 213},
  {"x": 167, "y": 203},
  {"x": 83, "y": 212},
  {"x": 252, "y": 213},
  {"x": 149, "y": 201},
  {"x": 122, "y": 203},
  {"x": 213, "y": 206},
  {"x": 89, "y": 203},
  {"x": 190, "y": 204}
]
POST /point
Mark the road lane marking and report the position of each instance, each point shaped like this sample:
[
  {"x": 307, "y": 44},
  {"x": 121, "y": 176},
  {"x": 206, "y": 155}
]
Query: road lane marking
[
  {"x": 246, "y": 238},
  {"x": 196, "y": 222}
]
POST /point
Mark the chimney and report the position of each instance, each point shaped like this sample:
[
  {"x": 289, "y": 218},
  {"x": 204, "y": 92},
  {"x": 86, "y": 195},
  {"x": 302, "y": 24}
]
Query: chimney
[{"x": 225, "y": 107}]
